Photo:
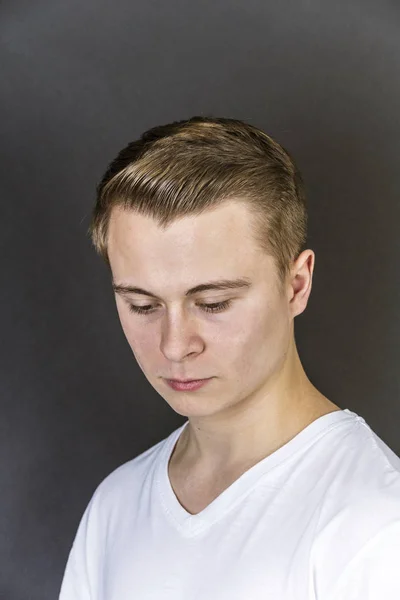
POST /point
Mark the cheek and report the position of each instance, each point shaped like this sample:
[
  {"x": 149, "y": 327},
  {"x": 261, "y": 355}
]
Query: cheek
[
  {"x": 139, "y": 337},
  {"x": 261, "y": 342},
  {"x": 140, "y": 342},
  {"x": 125, "y": 320},
  {"x": 133, "y": 333}
]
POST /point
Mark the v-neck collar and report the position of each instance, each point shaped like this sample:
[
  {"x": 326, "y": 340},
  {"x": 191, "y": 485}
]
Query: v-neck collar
[{"x": 188, "y": 524}]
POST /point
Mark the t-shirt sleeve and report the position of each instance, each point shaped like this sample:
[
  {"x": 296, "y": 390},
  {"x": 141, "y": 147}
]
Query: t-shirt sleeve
[
  {"x": 76, "y": 581},
  {"x": 374, "y": 572}
]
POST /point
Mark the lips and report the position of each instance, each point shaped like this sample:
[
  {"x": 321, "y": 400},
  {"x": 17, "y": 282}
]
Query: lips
[
  {"x": 191, "y": 385},
  {"x": 186, "y": 380}
]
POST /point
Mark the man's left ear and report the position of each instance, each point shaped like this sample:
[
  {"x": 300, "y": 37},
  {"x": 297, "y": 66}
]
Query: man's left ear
[{"x": 300, "y": 284}]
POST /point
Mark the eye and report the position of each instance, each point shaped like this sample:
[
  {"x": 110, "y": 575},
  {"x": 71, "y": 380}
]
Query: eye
[
  {"x": 210, "y": 308},
  {"x": 216, "y": 306}
]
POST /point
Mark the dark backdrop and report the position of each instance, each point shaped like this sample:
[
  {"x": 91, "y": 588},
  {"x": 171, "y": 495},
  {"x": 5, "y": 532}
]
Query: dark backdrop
[{"x": 79, "y": 80}]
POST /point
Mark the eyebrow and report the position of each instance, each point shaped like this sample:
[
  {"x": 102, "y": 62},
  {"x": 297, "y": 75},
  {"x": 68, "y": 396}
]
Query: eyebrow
[{"x": 221, "y": 284}]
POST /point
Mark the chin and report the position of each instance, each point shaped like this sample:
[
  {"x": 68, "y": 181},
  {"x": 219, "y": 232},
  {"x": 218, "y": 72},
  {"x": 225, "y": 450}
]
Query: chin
[{"x": 193, "y": 407}]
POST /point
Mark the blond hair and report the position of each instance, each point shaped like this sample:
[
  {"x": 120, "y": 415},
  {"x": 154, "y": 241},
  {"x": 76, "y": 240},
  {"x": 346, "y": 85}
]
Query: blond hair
[{"x": 188, "y": 167}]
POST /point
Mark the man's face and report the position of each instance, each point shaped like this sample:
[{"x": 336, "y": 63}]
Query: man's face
[{"x": 239, "y": 347}]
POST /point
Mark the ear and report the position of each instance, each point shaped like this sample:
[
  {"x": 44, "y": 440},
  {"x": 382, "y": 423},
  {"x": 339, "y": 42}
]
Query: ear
[{"x": 300, "y": 282}]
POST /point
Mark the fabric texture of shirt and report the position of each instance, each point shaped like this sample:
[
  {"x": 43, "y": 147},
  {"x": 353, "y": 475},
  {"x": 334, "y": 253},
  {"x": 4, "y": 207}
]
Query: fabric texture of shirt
[{"x": 318, "y": 519}]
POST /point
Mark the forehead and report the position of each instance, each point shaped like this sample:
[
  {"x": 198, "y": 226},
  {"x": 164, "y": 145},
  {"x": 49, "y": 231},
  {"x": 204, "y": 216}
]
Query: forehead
[{"x": 217, "y": 243}]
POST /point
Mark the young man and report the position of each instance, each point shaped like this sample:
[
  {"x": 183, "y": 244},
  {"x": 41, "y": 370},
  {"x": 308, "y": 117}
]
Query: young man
[{"x": 269, "y": 489}]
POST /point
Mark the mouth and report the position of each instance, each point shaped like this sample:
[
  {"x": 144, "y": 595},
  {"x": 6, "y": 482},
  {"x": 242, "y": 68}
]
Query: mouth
[{"x": 187, "y": 385}]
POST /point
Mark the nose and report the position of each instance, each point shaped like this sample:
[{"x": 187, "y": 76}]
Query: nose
[{"x": 179, "y": 337}]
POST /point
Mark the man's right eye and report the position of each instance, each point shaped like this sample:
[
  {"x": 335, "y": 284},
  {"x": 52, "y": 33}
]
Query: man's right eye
[{"x": 141, "y": 310}]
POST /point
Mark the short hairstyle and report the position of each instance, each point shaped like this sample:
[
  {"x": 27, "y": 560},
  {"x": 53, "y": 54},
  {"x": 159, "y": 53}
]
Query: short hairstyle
[{"x": 188, "y": 167}]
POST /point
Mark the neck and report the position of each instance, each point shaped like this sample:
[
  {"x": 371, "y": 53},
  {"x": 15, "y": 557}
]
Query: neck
[{"x": 258, "y": 425}]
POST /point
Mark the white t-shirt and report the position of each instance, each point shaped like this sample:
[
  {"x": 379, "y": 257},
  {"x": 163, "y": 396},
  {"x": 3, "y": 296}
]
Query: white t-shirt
[{"x": 319, "y": 519}]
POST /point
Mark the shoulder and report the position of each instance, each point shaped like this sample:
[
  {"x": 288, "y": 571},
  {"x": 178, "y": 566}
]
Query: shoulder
[
  {"x": 361, "y": 506},
  {"x": 126, "y": 483},
  {"x": 363, "y": 487},
  {"x": 360, "y": 465}
]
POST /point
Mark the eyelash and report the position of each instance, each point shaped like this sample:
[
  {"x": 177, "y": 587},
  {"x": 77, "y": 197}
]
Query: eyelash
[{"x": 215, "y": 307}]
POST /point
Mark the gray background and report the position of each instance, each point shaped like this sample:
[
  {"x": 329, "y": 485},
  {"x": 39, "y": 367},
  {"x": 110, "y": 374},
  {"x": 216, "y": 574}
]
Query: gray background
[{"x": 79, "y": 80}]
